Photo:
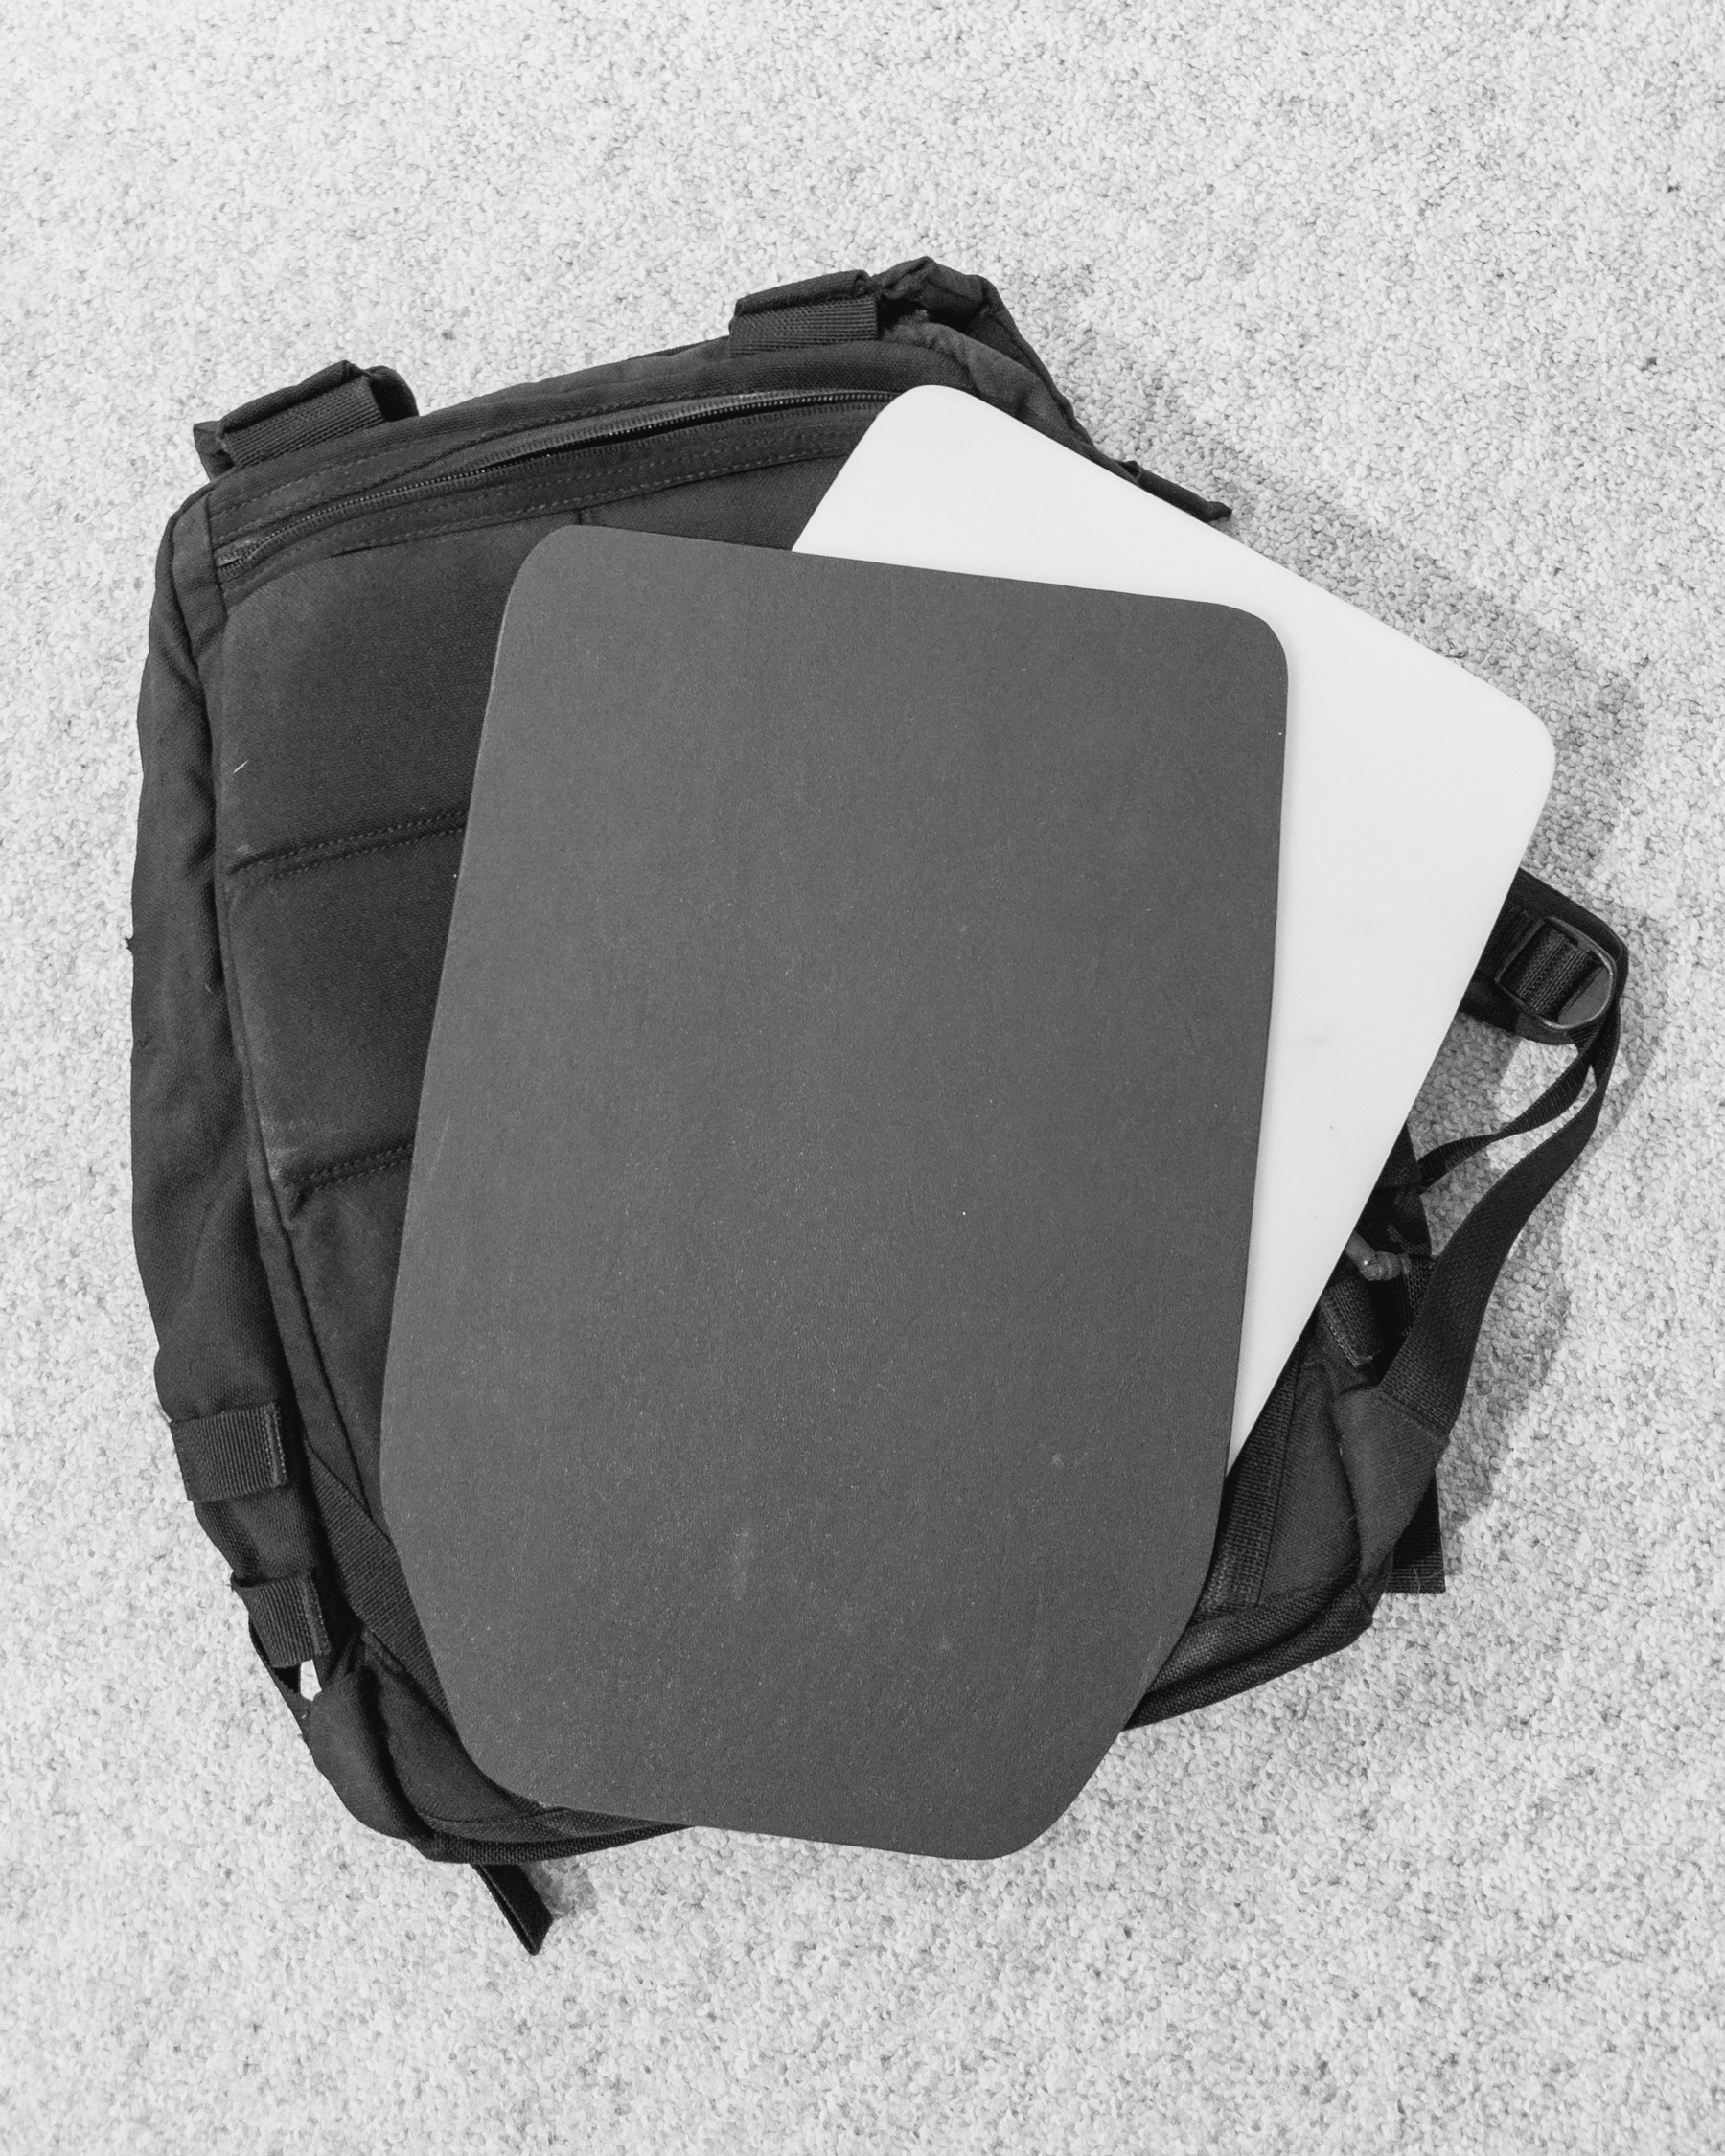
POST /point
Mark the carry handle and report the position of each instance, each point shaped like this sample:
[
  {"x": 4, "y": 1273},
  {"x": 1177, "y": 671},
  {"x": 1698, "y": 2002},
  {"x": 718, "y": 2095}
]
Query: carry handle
[{"x": 337, "y": 399}]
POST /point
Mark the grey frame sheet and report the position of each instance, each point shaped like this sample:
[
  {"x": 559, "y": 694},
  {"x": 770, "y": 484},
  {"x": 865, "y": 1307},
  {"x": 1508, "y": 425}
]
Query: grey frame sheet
[{"x": 818, "y": 1311}]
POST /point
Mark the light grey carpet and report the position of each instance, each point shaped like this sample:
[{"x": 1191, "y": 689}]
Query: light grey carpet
[{"x": 1434, "y": 296}]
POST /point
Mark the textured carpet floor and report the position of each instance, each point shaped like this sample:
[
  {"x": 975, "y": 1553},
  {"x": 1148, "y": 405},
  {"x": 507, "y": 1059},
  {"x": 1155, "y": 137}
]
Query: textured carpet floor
[{"x": 1434, "y": 296}]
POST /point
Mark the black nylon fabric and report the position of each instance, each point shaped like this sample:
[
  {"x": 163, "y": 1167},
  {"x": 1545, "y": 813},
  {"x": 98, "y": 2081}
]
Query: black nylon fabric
[
  {"x": 1284, "y": 1583},
  {"x": 192, "y": 1210},
  {"x": 320, "y": 647}
]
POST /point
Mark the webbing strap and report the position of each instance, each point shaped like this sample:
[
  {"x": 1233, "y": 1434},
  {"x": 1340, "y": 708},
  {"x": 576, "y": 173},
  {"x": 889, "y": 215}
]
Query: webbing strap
[
  {"x": 287, "y": 1618},
  {"x": 236, "y": 1453},
  {"x": 1548, "y": 964},
  {"x": 842, "y": 309},
  {"x": 1563, "y": 1092},
  {"x": 1545, "y": 973},
  {"x": 337, "y": 399},
  {"x": 373, "y": 1584},
  {"x": 1429, "y": 1375},
  {"x": 1394, "y": 1435},
  {"x": 520, "y": 1900}
]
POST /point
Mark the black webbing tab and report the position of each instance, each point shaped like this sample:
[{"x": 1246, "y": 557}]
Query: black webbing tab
[
  {"x": 842, "y": 309},
  {"x": 236, "y": 1453},
  {"x": 287, "y": 1617},
  {"x": 337, "y": 399},
  {"x": 520, "y": 1900}
]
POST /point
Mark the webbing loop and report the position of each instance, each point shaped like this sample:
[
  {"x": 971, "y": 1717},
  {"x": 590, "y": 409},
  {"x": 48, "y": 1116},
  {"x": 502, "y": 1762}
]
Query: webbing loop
[
  {"x": 287, "y": 1617},
  {"x": 842, "y": 309},
  {"x": 337, "y": 399},
  {"x": 236, "y": 1453}
]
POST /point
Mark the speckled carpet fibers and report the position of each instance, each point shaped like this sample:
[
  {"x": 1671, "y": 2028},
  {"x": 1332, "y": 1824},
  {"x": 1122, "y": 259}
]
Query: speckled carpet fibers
[{"x": 1432, "y": 295}]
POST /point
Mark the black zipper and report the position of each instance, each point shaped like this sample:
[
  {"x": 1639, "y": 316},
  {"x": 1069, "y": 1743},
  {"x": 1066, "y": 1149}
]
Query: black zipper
[{"x": 543, "y": 442}]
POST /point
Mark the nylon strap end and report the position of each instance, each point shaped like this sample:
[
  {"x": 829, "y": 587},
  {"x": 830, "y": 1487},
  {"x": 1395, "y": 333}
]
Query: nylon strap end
[{"x": 520, "y": 1900}]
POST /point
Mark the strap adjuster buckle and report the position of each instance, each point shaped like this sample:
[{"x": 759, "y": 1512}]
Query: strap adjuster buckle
[{"x": 1557, "y": 978}]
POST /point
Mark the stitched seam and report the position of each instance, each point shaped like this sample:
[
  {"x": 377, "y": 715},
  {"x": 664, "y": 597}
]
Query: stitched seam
[
  {"x": 278, "y": 1452},
  {"x": 190, "y": 1431},
  {"x": 1421, "y": 1422},
  {"x": 803, "y": 452},
  {"x": 311, "y": 1385},
  {"x": 595, "y": 500},
  {"x": 454, "y": 447},
  {"x": 1265, "y": 1542},
  {"x": 1234, "y": 1677},
  {"x": 347, "y": 1170},
  {"x": 1277, "y": 1605},
  {"x": 292, "y": 861},
  {"x": 497, "y": 1827}
]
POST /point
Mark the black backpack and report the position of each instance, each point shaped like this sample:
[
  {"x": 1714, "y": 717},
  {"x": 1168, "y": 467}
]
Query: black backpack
[{"x": 320, "y": 647}]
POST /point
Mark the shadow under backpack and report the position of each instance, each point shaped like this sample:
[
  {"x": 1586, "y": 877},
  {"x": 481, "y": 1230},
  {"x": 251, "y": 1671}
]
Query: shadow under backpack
[{"x": 287, "y": 943}]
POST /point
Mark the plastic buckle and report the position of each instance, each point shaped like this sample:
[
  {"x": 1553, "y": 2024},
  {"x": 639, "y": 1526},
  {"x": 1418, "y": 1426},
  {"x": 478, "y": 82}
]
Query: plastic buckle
[{"x": 1585, "y": 1004}]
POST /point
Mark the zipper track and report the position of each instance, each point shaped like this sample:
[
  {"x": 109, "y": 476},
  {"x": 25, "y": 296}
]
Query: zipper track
[{"x": 547, "y": 443}]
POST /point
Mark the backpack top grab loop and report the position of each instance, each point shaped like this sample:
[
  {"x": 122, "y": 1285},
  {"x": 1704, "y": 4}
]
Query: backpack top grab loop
[{"x": 337, "y": 399}]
